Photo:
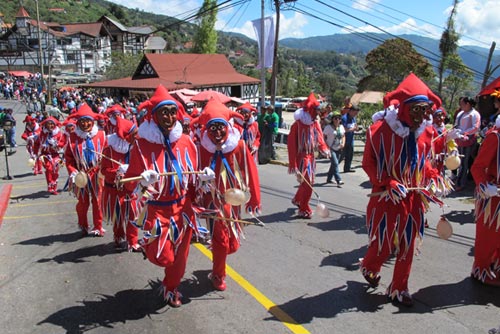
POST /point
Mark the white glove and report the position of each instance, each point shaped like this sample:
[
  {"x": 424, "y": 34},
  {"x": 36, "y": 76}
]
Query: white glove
[
  {"x": 487, "y": 190},
  {"x": 149, "y": 177},
  {"x": 453, "y": 134},
  {"x": 208, "y": 174},
  {"x": 122, "y": 169},
  {"x": 72, "y": 176}
]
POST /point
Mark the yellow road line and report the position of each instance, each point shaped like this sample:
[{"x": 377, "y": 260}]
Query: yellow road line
[
  {"x": 270, "y": 306},
  {"x": 14, "y": 205},
  {"x": 39, "y": 215}
]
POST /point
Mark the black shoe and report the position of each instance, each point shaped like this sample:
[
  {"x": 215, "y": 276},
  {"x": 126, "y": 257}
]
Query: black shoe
[
  {"x": 329, "y": 181},
  {"x": 350, "y": 171},
  {"x": 373, "y": 280}
]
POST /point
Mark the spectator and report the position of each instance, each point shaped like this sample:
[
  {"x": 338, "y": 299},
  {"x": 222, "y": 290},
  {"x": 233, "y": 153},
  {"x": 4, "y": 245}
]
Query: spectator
[
  {"x": 334, "y": 133},
  {"x": 350, "y": 124},
  {"x": 10, "y": 134},
  {"x": 268, "y": 127}
]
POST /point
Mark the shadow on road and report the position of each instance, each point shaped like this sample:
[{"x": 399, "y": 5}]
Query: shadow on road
[
  {"x": 348, "y": 260},
  {"x": 124, "y": 306},
  {"x": 37, "y": 195},
  {"x": 346, "y": 222},
  {"x": 51, "y": 239},
  {"x": 463, "y": 293},
  {"x": 351, "y": 297},
  {"x": 198, "y": 287},
  {"x": 81, "y": 255},
  {"x": 461, "y": 217}
]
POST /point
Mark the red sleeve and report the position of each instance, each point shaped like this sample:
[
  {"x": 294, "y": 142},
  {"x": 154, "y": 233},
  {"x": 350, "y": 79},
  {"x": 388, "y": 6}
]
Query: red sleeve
[
  {"x": 70, "y": 159},
  {"x": 486, "y": 157},
  {"x": 292, "y": 145},
  {"x": 108, "y": 168}
]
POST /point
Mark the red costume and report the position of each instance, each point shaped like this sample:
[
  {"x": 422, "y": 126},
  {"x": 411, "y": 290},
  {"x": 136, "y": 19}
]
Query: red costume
[
  {"x": 31, "y": 131},
  {"x": 167, "y": 217},
  {"x": 116, "y": 208},
  {"x": 397, "y": 161},
  {"x": 234, "y": 167},
  {"x": 83, "y": 154},
  {"x": 46, "y": 149},
  {"x": 249, "y": 128},
  {"x": 305, "y": 135},
  {"x": 486, "y": 173},
  {"x": 112, "y": 113}
]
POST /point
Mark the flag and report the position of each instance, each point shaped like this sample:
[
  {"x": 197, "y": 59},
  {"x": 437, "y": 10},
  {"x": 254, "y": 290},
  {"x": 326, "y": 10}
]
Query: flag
[{"x": 268, "y": 40}]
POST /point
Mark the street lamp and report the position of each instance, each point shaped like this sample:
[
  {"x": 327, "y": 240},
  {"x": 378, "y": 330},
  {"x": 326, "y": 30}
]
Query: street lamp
[{"x": 7, "y": 126}]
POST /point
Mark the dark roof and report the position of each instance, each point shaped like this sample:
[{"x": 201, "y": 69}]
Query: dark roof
[{"x": 179, "y": 70}]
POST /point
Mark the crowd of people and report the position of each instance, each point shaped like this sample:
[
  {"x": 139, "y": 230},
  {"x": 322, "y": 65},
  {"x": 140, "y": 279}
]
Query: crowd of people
[{"x": 202, "y": 164}]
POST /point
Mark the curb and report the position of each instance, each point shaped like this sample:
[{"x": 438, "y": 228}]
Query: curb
[{"x": 4, "y": 200}]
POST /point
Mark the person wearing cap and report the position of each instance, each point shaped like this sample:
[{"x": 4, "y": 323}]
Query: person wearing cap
[
  {"x": 115, "y": 207},
  {"x": 268, "y": 127},
  {"x": 249, "y": 128},
  {"x": 83, "y": 155},
  {"x": 223, "y": 150},
  {"x": 163, "y": 206},
  {"x": 334, "y": 133},
  {"x": 350, "y": 124},
  {"x": 305, "y": 135},
  {"x": 485, "y": 171},
  {"x": 404, "y": 182},
  {"x": 46, "y": 148}
]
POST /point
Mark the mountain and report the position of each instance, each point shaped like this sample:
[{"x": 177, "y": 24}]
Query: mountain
[{"x": 474, "y": 57}]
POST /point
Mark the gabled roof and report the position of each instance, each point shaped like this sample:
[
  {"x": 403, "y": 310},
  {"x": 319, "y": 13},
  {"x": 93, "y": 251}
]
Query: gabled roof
[
  {"x": 155, "y": 43},
  {"x": 22, "y": 12},
  {"x": 141, "y": 30},
  {"x": 116, "y": 23},
  {"x": 92, "y": 29},
  {"x": 181, "y": 70}
]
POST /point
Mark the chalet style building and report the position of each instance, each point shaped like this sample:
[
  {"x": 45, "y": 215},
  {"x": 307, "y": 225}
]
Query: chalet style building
[
  {"x": 83, "y": 48},
  {"x": 183, "y": 70}
]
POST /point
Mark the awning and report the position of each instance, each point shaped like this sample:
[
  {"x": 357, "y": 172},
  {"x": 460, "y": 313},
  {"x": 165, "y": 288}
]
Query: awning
[
  {"x": 24, "y": 74},
  {"x": 487, "y": 90}
]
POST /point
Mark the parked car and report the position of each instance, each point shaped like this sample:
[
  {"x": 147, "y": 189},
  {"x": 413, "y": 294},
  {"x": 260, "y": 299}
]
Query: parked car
[{"x": 295, "y": 103}]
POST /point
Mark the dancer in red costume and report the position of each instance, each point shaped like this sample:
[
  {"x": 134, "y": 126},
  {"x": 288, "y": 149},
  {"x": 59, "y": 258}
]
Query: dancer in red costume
[
  {"x": 228, "y": 156},
  {"x": 486, "y": 173},
  {"x": 305, "y": 135},
  {"x": 167, "y": 216},
  {"x": 396, "y": 161},
  {"x": 83, "y": 154},
  {"x": 249, "y": 128},
  {"x": 46, "y": 149},
  {"x": 112, "y": 113},
  {"x": 116, "y": 208},
  {"x": 30, "y": 134}
]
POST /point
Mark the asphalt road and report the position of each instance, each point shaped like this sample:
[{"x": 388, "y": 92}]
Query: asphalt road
[{"x": 291, "y": 276}]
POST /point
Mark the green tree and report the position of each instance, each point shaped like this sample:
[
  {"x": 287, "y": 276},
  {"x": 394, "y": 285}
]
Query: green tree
[
  {"x": 458, "y": 80},
  {"x": 122, "y": 65},
  {"x": 205, "y": 40},
  {"x": 391, "y": 62},
  {"x": 448, "y": 45}
]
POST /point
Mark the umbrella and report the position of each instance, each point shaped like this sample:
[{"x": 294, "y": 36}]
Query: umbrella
[
  {"x": 207, "y": 95},
  {"x": 495, "y": 84}
]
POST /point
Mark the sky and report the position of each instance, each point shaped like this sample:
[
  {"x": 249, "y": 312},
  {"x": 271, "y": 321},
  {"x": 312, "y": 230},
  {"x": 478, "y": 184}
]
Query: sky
[{"x": 476, "y": 20}]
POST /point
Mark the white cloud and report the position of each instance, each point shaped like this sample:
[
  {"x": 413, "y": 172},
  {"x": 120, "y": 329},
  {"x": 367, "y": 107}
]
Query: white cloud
[
  {"x": 410, "y": 26},
  {"x": 365, "y": 5},
  {"x": 173, "y": 8},
  {"x": 289, "y": 27},
  {"x": 477, "y": 21}
]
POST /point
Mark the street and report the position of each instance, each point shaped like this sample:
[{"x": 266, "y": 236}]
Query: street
[{"x": 290, "y": 276}]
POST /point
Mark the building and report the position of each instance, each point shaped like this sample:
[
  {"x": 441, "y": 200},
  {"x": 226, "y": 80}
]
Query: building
[
  {"x": 175, "y": 71},
  {"x": 83, "y": 48}
]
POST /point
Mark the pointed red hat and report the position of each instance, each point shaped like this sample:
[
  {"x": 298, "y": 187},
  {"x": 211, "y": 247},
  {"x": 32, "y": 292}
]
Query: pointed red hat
[
  {"x": 311, "y": 105},
  {"x": 85, "y": 111},
  {"x": 247, "y": 106},
  {"x": 160, "y": 98},
  {"x": 114, "y": 109},
  {"x": 50, "y": 119},
  {"x": 215, "y": 111},
  {"x": 124, "y": 127},
  {"x": 69, "y": 121},
  {"x": 412, "y": 89}
]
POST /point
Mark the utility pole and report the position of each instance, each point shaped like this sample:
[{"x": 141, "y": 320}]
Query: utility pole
[
  {"x": 488, "y": 71},
  {"x": 40, "y": 53},
  {"x": 262, "y": 60},
  {"x": 274, "y": 74}
]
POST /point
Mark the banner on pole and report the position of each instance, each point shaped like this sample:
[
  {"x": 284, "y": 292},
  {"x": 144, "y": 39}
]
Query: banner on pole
[{"x": 268, "y": 40}]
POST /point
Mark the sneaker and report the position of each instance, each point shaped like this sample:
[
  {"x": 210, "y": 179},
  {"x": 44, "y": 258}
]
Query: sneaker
[
  {"x": 97, "y": 232},
  {"x": 373, "y": 280},
  {"x": 135, "y": 248},
  {"x": 404, "y": 298},
  {"x": 174, "y": 298},
  {"x": 304, "y": 215},
  {"x": 217, "y": 282},
  {"x": 340, "y": 183}
]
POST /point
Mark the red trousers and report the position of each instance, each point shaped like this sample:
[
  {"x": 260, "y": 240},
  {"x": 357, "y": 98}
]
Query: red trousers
[{"x": 82, "y": 207}]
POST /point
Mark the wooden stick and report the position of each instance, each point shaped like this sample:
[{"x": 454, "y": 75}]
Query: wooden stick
[
  {"x": 385, "y": 191},
  {"x": 233, "y": 220},
  {"x": 309, "y": 184},
  {"x": 105, "y": 156},
  {"x": 137, "y": 178}
]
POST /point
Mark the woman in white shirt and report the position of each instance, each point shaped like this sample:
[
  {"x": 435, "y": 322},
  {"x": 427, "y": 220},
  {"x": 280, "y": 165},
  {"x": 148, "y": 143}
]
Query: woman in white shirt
[{"x": 334, "y": 133}]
